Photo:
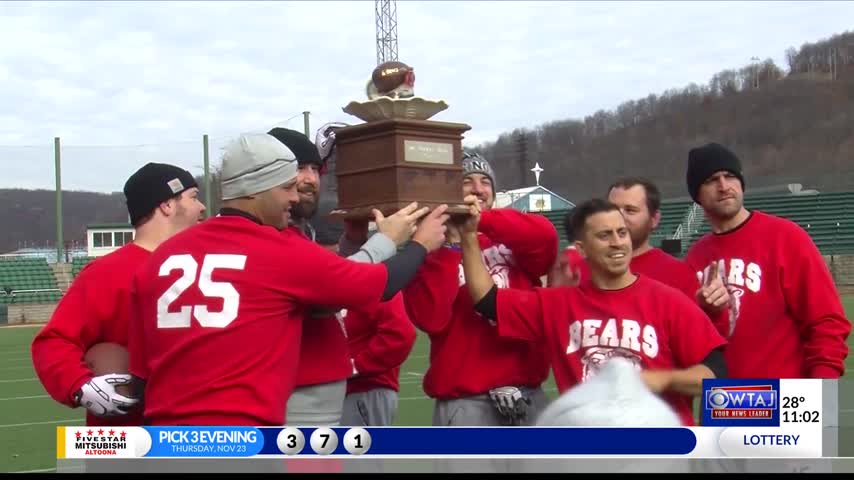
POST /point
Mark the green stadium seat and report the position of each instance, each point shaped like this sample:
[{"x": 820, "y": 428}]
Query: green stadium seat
[{"x": 25, "y": 273}]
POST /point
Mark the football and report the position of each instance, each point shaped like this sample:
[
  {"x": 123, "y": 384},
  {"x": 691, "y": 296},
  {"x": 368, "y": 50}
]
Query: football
[
  {"x": 106, "y": 357},
  {"x": 390, "y": 75}
]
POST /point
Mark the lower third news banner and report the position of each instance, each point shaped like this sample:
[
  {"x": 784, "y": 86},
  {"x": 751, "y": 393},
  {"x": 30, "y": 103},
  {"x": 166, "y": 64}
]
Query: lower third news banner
[{"x": 740, "y": 419}]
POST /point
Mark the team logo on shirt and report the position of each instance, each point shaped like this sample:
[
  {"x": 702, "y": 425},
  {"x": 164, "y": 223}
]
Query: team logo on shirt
[
  {"x": 735, "y": 294},
  {"x": 499, "y": 260},
  {"x": 739, "y": 277},
  {"x": 601, "y": 341},
  {"x": 595, "y": 358}
]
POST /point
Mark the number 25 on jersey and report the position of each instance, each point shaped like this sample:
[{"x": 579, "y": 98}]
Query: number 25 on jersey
[{"x": 189, "y": 268}]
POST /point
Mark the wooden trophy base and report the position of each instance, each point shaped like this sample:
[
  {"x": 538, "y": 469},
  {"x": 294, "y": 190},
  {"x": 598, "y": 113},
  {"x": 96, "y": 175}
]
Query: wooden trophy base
[
  {"x": 366, "y": 213},
  {"x": 388, "y": 164}
]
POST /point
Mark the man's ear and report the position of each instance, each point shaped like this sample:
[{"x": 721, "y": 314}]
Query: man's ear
[
  {"x": 167, "y": 208},
  {"x": 656, "y": 219},
  {"x": 579, "y": 246}
]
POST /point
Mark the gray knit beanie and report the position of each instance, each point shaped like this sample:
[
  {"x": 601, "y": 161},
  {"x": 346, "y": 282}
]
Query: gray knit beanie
[
  {"x": 475, "y": 163},
  {"x": 255, "y": 163}
]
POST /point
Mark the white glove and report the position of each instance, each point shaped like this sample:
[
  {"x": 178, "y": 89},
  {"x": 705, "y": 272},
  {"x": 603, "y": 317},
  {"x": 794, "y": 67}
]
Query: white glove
[{"x": 100, "y": 398}]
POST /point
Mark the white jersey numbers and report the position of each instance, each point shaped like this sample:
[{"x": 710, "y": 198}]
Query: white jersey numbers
[
  {"x": 209, "y": 288},
  {"x": 189, "y": 267}
]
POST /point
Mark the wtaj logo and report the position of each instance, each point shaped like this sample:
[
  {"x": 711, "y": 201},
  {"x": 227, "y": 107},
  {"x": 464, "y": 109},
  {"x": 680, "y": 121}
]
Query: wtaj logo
[{"x": 741, "y": 402}]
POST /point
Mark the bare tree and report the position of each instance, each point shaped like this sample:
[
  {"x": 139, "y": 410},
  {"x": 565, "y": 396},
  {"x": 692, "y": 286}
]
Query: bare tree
[{"x": 792, "y": 59}]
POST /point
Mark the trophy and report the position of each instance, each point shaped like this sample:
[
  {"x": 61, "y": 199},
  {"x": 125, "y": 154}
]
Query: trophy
[{"x": 398, "y": 155}]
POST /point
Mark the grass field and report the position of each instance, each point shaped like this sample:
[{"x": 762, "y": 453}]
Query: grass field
[{"x": 28, "y": 417}]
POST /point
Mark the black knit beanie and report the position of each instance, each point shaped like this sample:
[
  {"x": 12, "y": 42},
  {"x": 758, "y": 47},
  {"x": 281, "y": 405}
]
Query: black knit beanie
[
  {"x": 152, "y": 185},
  {"x": 299, "y": 144},
  {"x": 704, "y": 161}
]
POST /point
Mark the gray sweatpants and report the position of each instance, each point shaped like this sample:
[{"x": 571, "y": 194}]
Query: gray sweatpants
[
  {"x": 479, "y": 411},
  {"x": 373, "y": 408},
  {"x": 317, "y": 405}
]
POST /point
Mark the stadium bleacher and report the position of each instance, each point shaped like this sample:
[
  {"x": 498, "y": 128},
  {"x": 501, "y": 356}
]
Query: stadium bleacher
[
  {"x": 77, "y": 264},
  {"x": 672, "y": 214},
  {"x": 27, "y": 280},
  {"x": 827, "y": 217}
]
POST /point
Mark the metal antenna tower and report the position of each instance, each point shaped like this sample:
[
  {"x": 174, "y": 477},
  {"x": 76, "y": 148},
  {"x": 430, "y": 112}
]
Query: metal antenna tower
[{"x": 386, "y": 16}]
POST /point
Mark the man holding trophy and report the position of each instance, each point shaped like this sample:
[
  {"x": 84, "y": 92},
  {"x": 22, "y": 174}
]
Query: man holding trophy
[
  {"x": 477, "y": 377},
  {"x": 324, "y": 363},
  {"x": 398, "y": 157}
]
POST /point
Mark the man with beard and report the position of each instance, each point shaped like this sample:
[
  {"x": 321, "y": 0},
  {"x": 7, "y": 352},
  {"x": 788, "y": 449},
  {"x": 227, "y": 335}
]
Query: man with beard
[
  {"x": 617, "y": 314},
  {"x": 786, "y": 319},
  {"x": 324, "y": 364},
  {"x": 231, "y": 362},
  {"x": 639, "y": 201},
  {"x": 476, "y": 377}
]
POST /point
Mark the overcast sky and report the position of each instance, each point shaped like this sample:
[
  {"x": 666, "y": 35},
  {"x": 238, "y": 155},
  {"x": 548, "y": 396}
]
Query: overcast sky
[{"x": 123, "y": 83}]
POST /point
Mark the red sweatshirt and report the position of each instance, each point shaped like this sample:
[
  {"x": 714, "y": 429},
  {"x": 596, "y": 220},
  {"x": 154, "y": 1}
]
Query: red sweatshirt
[
  {"x": 787, "y": 319},
  {"x": 467, "y": 356},
  {"x": 94, "y": 310},
  {"x": 379, "y": 340},
  {"x": 648, "y": 323},
  {"x": 323, "y": 355},
  {"x": 225, "y": 350},
  {"x": 658, "y": 265}
]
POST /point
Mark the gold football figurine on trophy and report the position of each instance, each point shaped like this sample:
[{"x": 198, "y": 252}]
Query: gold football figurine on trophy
[
  {"x": 391, "y": 94},
  {"x": 393, "y": 80}
]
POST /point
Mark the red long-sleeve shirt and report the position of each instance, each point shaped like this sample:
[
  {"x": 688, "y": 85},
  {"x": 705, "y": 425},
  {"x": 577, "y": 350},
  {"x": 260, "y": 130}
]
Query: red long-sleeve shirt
[
  {"x": 467, "y": 356},
  {"x": 667, "y": 269},
  {"x": 224, "y": 351},
  {"x": 787, "y": 320},
  {"x": 323, "y": 355},
  {"x": 95, "y": 309},
  {"x": 647, "y": 323},
  {"x": 379, "y": 341}
]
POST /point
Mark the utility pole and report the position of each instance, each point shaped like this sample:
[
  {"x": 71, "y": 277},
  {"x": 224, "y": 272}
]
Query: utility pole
[
  {"x": 207, "y": 176},
  {"x": 305, "y": 123},
  {"x": 523, "y": 157},
  {"x": 755, "y": 61},
  {"x": 834, "y": 69},
  {"x": 58, "y": 172}
]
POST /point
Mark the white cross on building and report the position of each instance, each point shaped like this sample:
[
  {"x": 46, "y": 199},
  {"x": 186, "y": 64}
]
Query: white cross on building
[{"x": 537, "y": 171}]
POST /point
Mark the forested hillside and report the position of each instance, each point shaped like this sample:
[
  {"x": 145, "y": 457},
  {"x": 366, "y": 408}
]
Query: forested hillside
[{"x": 794, "y": 126}]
